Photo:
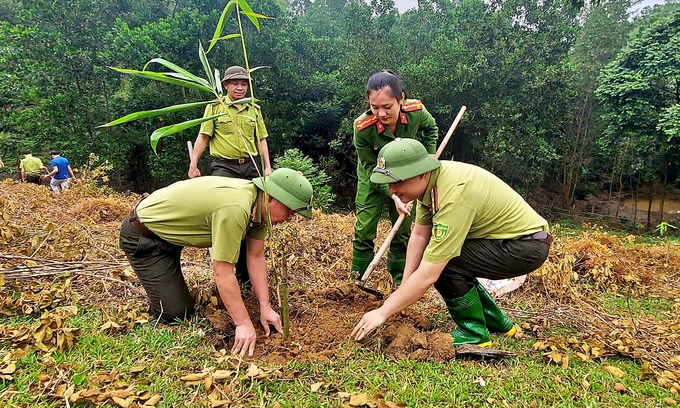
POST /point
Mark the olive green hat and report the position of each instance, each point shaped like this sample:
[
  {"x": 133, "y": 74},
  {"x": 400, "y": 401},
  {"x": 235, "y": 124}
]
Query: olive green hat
[
  {"x": 402, "y": 159},
  {"x": 290, "y": 188},
  {"x": 235, "y": 72}
]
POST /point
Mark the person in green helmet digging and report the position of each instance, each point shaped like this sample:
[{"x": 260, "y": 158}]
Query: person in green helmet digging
[
  {"x": 469, "y": 224},
  {"x": 219, "y": 212}
]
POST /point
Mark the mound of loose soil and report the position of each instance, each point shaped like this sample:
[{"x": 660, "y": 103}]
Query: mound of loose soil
[{"x": 321, "y": 321}]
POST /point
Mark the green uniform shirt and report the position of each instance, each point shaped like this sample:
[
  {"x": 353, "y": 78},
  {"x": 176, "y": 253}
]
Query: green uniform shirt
[
  {"x": 202, "y": 212},
  {"x": 225, "y": 141},
  {"x": 30, "y": 164},
  {"x": 370, "y": 135},
  {"x": 463, "y": 201}
]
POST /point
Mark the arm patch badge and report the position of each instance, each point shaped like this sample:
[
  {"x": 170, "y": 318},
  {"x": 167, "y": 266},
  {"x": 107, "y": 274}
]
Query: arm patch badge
[{"x": 439, "y": 231}]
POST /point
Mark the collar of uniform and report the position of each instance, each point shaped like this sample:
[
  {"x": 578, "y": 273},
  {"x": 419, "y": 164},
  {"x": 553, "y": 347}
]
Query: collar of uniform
[
  {"x": 403, "y": 118},
  {"x": 426, "y": 198}
]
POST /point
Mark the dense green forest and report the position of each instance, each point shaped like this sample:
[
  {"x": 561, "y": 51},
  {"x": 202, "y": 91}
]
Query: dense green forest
[{"x": 580, "y": 98}]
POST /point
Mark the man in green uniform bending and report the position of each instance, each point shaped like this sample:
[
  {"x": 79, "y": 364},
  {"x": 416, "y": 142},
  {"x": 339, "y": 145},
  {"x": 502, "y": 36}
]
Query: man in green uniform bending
[
  {"x": 236, "y": 139},
  {"x": 31, "y": 167},
  {"x": 218, "y": 212},
  {"x": 469, "y": 224}
]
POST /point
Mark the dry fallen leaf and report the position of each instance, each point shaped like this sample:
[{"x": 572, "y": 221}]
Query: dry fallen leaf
[
  {"x": 358, "y": 399},
  {"x": 670, "y": 401},
  {"x": 615, "y": 371},
  {"x": 315, "y": 387}
]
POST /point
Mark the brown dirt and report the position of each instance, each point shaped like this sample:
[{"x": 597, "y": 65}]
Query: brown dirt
[{"x": 322, "y": 321}]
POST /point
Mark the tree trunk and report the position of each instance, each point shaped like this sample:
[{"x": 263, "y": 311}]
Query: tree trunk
[
  {"x": 663, "y": 193},
  {"x": 649, "y": 206}
]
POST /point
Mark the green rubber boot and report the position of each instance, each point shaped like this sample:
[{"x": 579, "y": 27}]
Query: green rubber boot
[
  {"x": 496, "y": 320},
  {"x": 360, "y": 262},
  {"x": 468, "y": 314}
]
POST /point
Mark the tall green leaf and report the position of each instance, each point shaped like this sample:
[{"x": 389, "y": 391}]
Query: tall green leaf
[
  {"x": 220, "y": 23},
  {"x": 226, "y": 37},
  {"x": 160, "y": 133},
  {"x": 206, "y": 64},
  {"x": 164, "y": 78},
  {"x": 248, "y": 12},
  {"x": 156, "y": 112},
  {"x": 177, "y": 69}
]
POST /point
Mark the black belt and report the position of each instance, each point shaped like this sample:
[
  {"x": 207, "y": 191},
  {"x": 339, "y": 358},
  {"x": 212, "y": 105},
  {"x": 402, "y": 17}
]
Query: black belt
[
  {"x": 240, "y": 160},
  {"x": 141, "y": 228},
  {"x": 538, "y": 236}
]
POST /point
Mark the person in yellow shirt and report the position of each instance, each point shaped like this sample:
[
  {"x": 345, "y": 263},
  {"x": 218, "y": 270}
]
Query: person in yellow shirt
[
  {"x": 233, "y": 139},
  {"x": 469, "y": 224},
  {"x": 31, "y": 167},
  {"x": 221, "y": 214}
]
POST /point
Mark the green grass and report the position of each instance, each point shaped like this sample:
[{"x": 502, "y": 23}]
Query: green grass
[
  {"x": 171, "y": 351},
  {"x": 634, "y": 307}
]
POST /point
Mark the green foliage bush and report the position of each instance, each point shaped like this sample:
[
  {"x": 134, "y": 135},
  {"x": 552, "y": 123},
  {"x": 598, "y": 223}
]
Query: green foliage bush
[{"x": 294, "y": 159}]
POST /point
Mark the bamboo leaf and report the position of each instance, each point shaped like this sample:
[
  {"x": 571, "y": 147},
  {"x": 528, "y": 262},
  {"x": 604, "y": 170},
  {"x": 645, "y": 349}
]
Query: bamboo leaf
[
  {"x": 163, "y": 77},
  {"x": 155, "y": 112},
  {"x": 260, "y": 67},
  {"x": 218, "y": 83},
  {"x": 220, "y": 23},
  {"x": 188, "y": 75},
  {"x": 248, "y": 12},
  {"x": 206, "y": 64},
  {"x": 226, "y": 37},
  {"x": 160, "y": 133},
  {"x": 244, "y": 100}
]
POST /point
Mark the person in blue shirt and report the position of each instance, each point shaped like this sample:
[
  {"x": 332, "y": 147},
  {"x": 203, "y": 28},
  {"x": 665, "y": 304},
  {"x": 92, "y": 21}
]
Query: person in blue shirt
[{"x": 61, "y": 170}]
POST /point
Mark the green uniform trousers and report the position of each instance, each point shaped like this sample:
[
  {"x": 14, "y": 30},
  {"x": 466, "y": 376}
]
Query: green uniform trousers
[
  {"x": 157, "y": 265},
  {"x": 369, "y": 207},
  {"x": 489, "y": 259}
]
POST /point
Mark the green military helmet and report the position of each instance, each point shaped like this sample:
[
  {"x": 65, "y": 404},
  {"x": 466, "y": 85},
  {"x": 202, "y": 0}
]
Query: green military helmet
[
  {"x": 402, "y": 159},
  {"x": 290, "y": 188},
  {"x": 235, "y": 72}
]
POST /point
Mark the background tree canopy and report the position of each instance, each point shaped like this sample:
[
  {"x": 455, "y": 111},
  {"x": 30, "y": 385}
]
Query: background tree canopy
[{"x": 581, "y": 99}]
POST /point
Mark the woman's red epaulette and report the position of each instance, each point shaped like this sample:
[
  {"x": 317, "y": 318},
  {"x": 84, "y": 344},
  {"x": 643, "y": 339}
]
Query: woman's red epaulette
[
  {"x": 366, "y": 122},
  {"x": 412, "y": 106}
]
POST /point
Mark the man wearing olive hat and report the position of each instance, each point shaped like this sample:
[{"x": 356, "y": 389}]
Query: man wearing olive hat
[
  {"x": 233, "y": 139},
  {"x": 469, "y": 224},
  {"x": 218, "y": 212}
]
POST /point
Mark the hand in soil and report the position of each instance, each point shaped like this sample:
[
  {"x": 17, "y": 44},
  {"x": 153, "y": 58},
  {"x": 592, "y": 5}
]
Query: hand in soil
[
  {"x": 244, "y": 340},
  {"x": 367, "y": 324},
  {"x": 269, "y": 316}
]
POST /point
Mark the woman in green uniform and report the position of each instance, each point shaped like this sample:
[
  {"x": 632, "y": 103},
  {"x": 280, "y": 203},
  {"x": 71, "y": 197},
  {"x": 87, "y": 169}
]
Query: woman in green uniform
[{"x": 390, "y": 115}]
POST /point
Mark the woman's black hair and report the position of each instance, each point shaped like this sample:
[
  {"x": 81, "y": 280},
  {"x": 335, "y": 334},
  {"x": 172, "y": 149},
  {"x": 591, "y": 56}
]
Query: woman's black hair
[{"x": 385, "y": 78}]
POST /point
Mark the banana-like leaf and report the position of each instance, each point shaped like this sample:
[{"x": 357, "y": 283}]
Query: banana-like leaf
[
  {"x": 160, "y": 133},
  {"x": 164, "y": 78},
  {"x": 188, "y": 75},
  {"x": 218, "y": 83},
  {"x": 220, "y": 23},
  {"x": 156, "y": 112},
  {"x": 226, "y": 37},
  {"x": 206, "y": 64}
]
